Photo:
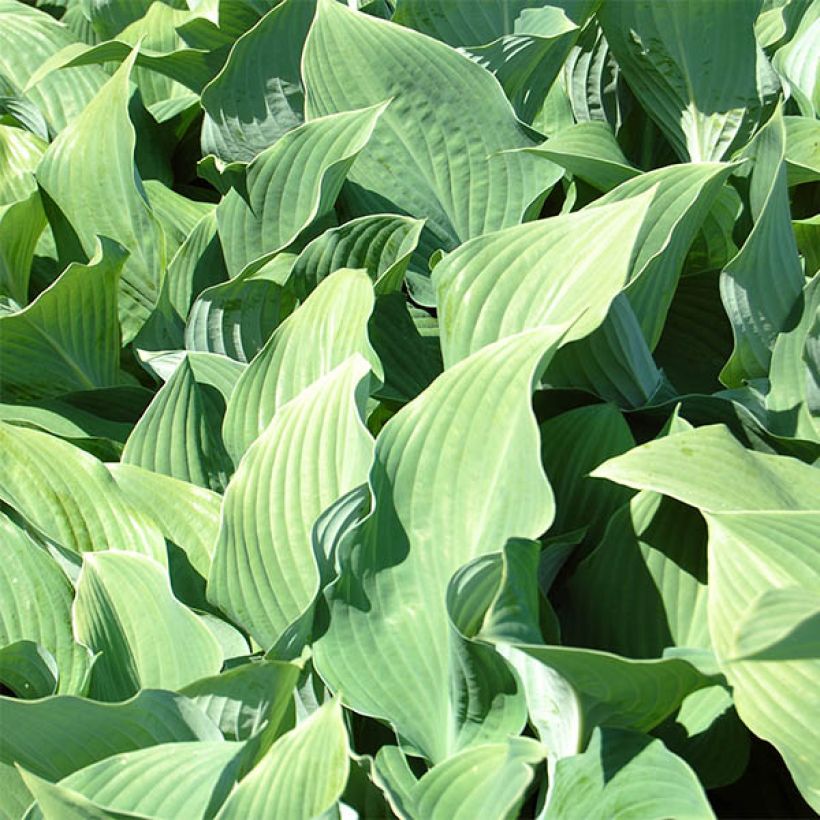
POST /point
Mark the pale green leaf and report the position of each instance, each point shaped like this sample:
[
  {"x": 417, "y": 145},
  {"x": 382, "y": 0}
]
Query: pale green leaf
[
  {"x": 37, "y": 600},
  {"x": 79, "y": 506},
  {"x": 542, "y": 273},
  {"x": 103, "y": 137},
  {"x": 290, "y": 184},
  {"x": 68, "y": 338},
  {"x": 125, "y": 610},
  {"x": 302, "y": 775},
  {"x": 315, "y": 449},
  {"x": 626, "y": 775},
  {"x": 447, "y": 488},
  {"x": 326, "y": 330},
  {"x": 56, "y": 736}
]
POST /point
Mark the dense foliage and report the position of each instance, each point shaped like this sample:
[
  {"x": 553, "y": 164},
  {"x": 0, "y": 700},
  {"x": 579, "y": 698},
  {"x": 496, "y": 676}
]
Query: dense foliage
[{"x": 409, "y": 408}]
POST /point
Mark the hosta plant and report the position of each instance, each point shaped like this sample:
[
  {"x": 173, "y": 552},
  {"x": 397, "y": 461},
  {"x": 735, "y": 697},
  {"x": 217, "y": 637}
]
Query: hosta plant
[{"x": 409, "y": 409}]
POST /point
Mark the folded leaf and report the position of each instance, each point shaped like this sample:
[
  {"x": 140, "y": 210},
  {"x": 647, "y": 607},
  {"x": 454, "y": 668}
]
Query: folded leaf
[
  {"x": 56, "y": 736},
  {"x": 302, "y": 775},
  {"x": 315, "y": 449},
  {"x": 325, "y": 331},
  {"x": 125, "y": 610},
  {"x": 445, "y": 491},
  {"x": 68, "y": 338},
  {"x": 696, "y": 69},
  {"x": 442, "y": 165},
  {"x": 290, "y": 184},
  {"x": 542, "y": 273},
  {"x": 79, "y": 506},
  {"x": 625, "y": 774},
  {"x": 89, "y": 166}
]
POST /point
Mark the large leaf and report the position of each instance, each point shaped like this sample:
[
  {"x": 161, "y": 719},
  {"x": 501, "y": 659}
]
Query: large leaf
[
  {"x": 761, "y": 285},
  {"x": 103, "y": 137},
  {"x": 763, "y": 534},
  {"x": 264, "y": 66},
  {"x": 763, "y": 617},
  {"x": 443, "y": 165},
  {"x": 56, "y": 736},
  {"x": 327, "y": 329},
  {"x": 68, "y": 338},
  {"x": 302, "y": 775},
  {"x": 797, "y": 63},
  {"x": 179, "y": 434},
  {"x": 265, "y": 574},
  {"x": 696, "y": 68},
  {"x": 79, "y": 506},
  {"x": 126, "y": 611},
  {"x": 165, "y": 781},
  {"x": 625, "y": 774},
  {"x": 444, "y": 490},
  {"x": 572, "y": 445},
  {"x": 488, "y": 780},
  {"x": 537, "y": 274},
  {"x": 247, "y": 699},
  {"x": 682, "y": 201},
  {"x": 290, "y": 184},
  {"x": 381, "y": 244},
  {"x": 29, "y": 575},
  {"x": 31, "y": 38},
  {"x": 188, "y": 517}
]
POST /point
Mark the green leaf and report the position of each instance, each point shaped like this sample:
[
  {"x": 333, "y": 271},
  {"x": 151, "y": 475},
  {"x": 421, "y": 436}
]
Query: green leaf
[
  {"x": 188, "y": 517},
  {"x": 236, "y": 318},
  {"x": 28, "y": 670},
  {"x": 56, "y": 736},
  {"x": 264, "y": 67},
  {"x": 32, "y": 37},
  {"x": 445, "y": 492},
  {"x": 78, "y": 506},
  {"x": 613, "y": 362},
  {"x": 325, "y": 331},
  {"x": 302, "y": 775},
  {"x": 696, "y": 69},
  {"x": 797, "y": 63},
  {"x": 265, "y": 573},
  {"x": 625, "y": 774},
  {"x": 443, "y": 166},
  {"x": 488, "y": 780},
  {"x": 411, "y": 359},
  {"x": 764, "y": 584},
  {"x": 28, "y": 576},
  {"x": 657, "y": 548},
  {"x": 246, "y": 700},
  {"x": 789, "y": 402},
  {"x": 166, "y": 781},
  {"x": 590, "y": 152},
  {"x": 719, "y": 474},
  {"x": 21, "y": 224},
  {"x": 527, "y": 62},
  {"x": 592, "y": 78},
  {"x": 684, "y": 195},
  {"x": 760, "y": 286},
  {"x": 103, "y": 137},
  {"x": 802, "y": 149},
  {"x": 572, "y": 445},
  {"x": 68, "y": 338},
  {"x": 179, "y": 434},
  {"x": 763, "y": 528},
  {"x": 537, "y": 274},
  {"x": 290, "y": 184},
  {"x": 379, "y": 243},
  {"x": 126, "y": 611},
  {"x": 57, "y": 801}
]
